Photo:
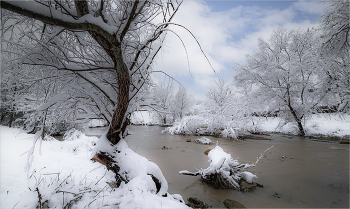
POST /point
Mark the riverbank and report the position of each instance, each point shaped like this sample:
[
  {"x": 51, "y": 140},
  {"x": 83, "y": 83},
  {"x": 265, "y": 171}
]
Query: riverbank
[
  {"x": 60, "y": 174},
  {"x": 322, "y": 127},
  {"x": 318, "y": 125},
  {"x": 294, "y": 174}
]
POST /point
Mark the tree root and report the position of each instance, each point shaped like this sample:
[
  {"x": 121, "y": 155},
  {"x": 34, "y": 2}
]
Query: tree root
[{"x": 107, "y": 160}]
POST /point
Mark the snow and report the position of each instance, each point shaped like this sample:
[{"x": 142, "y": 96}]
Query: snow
[
  {"x": 317, "y": 124},
  {"x": 249, "y": 177},
  {"x": 219, "y": 159},
  {"x": 204, "y": 140},
  {"x": 222, "y": 162},
  {"x": 141, "y": 118},
  {"x": 325, "y": 124},
  {"x": 65, "y": 168},
  {"x": 228, "y": 132},
  {"x": 59, "y": 98},
  {"x": 72, "y": 135},
  {"x": 227, "y": 168}
]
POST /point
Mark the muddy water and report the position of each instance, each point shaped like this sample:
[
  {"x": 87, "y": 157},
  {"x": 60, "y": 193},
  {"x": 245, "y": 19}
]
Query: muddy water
[{"x": 311, "y": 174}]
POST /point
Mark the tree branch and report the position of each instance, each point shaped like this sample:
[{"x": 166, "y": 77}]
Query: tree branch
[{"x": 74, "y": 25}]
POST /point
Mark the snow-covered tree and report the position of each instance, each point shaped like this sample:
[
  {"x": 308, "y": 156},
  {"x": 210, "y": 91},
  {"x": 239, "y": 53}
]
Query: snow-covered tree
[
  {"x": 335, "y": 30},
  {"x": 335, "y": 26},
  {"x": 104, "y": 48},
  {"x": 162, "y": 98},
  {"x": 182, "y": 101},
  {"x": 286, "y": 75},
  {"x": 220, "y": 105},
  {"x": 220, "y": 96}
]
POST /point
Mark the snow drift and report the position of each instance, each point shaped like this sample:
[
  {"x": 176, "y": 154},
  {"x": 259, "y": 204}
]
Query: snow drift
[{"x": 65, "y": 177}]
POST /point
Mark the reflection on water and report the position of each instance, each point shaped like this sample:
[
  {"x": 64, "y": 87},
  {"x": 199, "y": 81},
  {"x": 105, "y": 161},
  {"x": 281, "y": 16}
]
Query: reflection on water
[{"x": 311, "y": 174}]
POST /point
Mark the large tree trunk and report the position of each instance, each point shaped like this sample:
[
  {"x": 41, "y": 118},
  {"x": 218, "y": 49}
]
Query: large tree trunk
[
  {"x": 111, "y": 44},
  {"x": 119, "y": 121}
]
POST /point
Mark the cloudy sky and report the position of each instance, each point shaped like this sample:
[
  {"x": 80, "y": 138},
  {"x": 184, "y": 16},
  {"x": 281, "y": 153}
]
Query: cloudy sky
[{"x": 226, "y": 31}]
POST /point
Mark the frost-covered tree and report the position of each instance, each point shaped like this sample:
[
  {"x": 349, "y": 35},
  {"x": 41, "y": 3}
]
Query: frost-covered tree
[
  {"x": 182, "y": 101},
  {"x": 335, "y": 29},
  {"x": 335, "y": 26},
  {"x": 162, "y": 98},
  {"x": 220, "y": 105},
  {"x": 286, "y": 75},
  {"x": 220, "y": 96},
  {"x": 10, "y": 94},
  {"x": 104, "y": 48}
]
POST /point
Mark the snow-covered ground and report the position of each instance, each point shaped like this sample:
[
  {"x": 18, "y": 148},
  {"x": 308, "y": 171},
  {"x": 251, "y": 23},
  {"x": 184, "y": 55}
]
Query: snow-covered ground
[
  {"x": 325, "y": 124},
  {"x": 317, "y": 124},
  {"x": 141, "y": 118},
  {"x": 64, "y": 172}
]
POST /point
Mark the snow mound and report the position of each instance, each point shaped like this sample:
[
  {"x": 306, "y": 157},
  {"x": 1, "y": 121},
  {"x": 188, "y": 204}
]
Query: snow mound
[
  {"x": 80, "y": 143},
  {"x": 131, "y": 164},
  {"x": 204, "y": 140}
]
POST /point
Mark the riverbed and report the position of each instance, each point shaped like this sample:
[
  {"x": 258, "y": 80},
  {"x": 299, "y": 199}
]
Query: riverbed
[{"x": 296, "y": 172}]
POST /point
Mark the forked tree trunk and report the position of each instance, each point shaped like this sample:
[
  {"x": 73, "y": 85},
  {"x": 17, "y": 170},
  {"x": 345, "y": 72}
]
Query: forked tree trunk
[{"x": 119, "y": 122}]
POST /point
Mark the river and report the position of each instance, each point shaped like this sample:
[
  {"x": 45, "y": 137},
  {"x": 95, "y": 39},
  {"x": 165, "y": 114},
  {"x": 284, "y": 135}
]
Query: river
[{"x": 297, "y": 172}]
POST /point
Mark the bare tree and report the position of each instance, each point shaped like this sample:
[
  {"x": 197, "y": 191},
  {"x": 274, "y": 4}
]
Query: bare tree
[{"x": 106, "y": 49}]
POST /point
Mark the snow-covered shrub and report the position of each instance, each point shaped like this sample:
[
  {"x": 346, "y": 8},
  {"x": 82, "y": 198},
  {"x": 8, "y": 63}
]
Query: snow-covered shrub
[
  {"x": 72, "y": 134},
  {"x": 195, "y": 125},
  {"x": 228, "y": 132},
  {"x": 224, "y": 171},
  {"x": 204, "y": 140},
  {"x": 216, "y": 124}
]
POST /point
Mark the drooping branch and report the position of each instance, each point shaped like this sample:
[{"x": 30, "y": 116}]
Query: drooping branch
[{"x": 73, "y": 25}]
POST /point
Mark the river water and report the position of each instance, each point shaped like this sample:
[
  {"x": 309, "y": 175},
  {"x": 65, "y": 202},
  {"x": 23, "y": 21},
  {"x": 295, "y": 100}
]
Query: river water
[{"x": 311, "y": 173}]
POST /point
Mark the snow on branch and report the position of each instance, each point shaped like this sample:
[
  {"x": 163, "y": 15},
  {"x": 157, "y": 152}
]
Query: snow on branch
[{"x": 224, "y": 171}]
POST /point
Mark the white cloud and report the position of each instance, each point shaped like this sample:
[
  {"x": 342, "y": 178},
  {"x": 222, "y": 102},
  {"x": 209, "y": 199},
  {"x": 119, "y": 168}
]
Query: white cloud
[
  {"x": 226, "y": 37},
  {"x": 311, "y": 7}
]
